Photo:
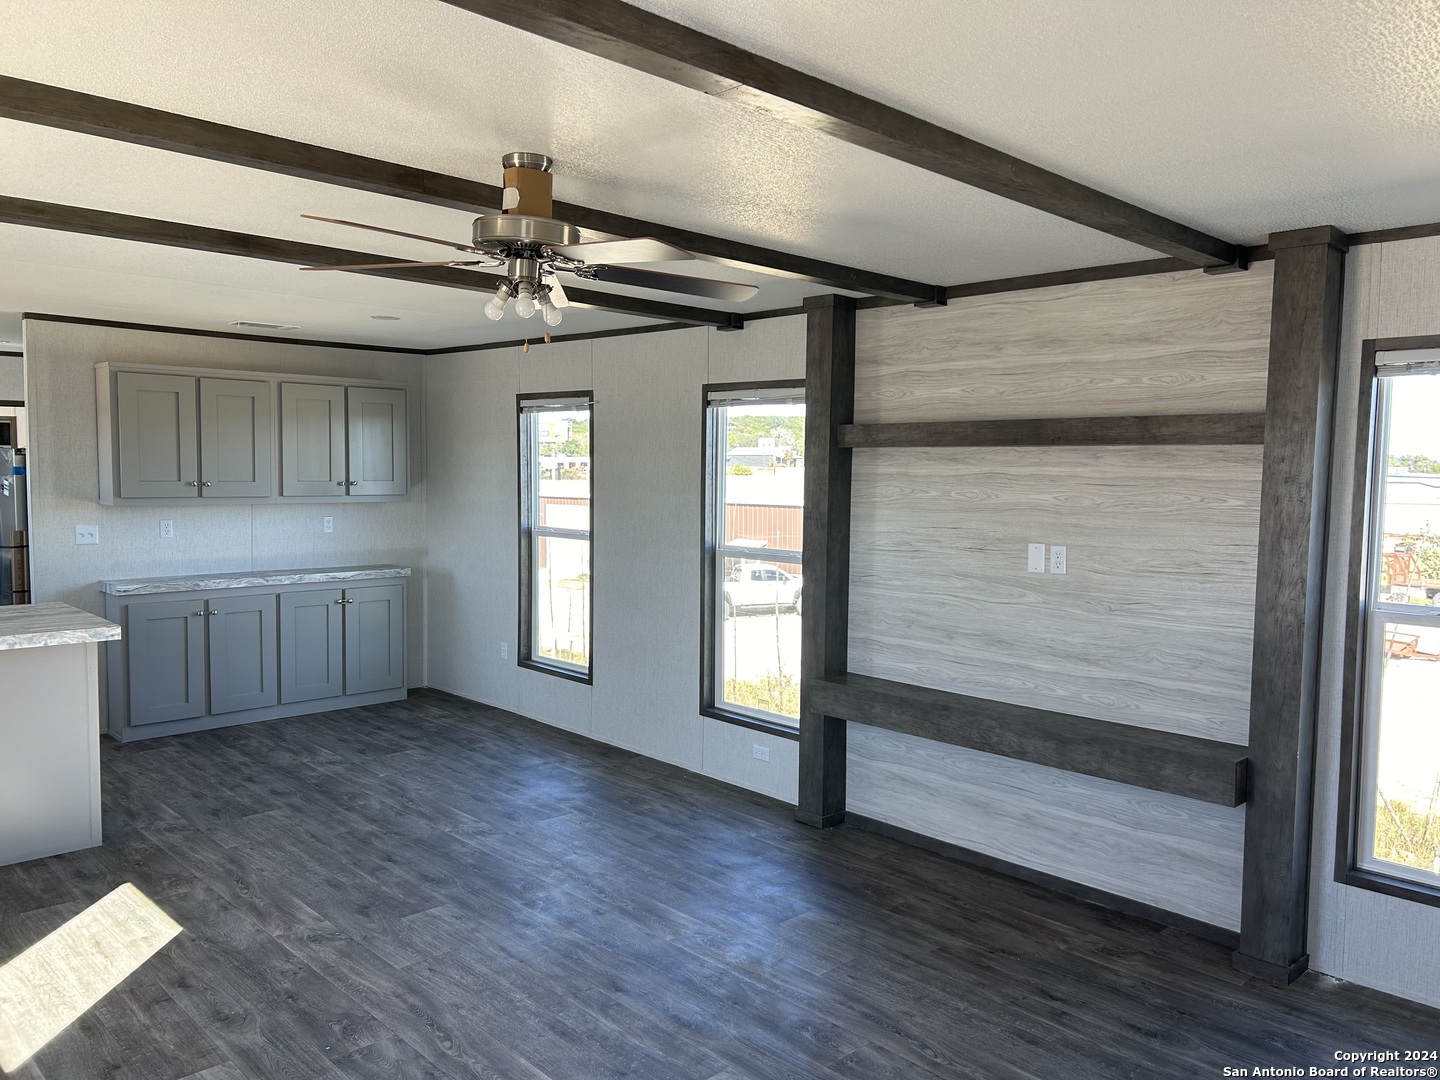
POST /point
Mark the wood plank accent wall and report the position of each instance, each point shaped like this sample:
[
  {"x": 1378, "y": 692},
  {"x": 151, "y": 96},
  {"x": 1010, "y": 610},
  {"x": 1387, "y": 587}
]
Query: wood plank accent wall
[
  {"x": 829, "y": 403},
  {"x": 1166, "y": 343},
  {"x": 1152, "y": 627},
  {"x": 1304, "y": 343}
]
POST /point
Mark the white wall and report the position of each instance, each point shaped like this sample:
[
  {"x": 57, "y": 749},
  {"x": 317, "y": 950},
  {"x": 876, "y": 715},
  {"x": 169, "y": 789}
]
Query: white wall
[
  {"x": 62, "y": 467},
  {"x": 1391, "y": 290},
  {"x": 12, "y": 378},
  {"x": 648, "y": 450}
]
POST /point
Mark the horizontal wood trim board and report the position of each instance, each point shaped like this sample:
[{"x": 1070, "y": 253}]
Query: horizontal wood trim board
[
  {"x": 1182, "y": 765},
  {"x": 70, "y": 110},
  {"x": 1075, "y": 890},
  {"x": 1194, "y": 429}
]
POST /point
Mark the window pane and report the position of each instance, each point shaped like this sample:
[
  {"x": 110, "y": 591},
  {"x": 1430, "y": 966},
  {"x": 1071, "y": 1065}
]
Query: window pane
[
  {"x": 1409, "y": 563},
  {"x": 764, "y": 482},
  {"x": 758, "y": 665},
  {"x": 563, "y": 466},
  {"x": 562, "y": 600},
  {"x": 1406, "y": 755}
]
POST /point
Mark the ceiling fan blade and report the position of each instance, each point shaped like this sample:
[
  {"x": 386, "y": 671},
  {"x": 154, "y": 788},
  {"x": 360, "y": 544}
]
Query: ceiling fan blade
[
  {"x": 675, "y": 283},
  {"x": 386, "y": 265},
  {"x": 557, "y": 294},
  {"x": 391, "y": 232},
  {"x": 642, "y": 249}
]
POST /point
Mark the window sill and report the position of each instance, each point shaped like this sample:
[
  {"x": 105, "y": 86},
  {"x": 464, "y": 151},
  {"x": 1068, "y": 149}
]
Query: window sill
[
  {"x": 557, "y": 671},
  {"x": 1391, "y": 886},
  {"x": 755, "y": 723}
]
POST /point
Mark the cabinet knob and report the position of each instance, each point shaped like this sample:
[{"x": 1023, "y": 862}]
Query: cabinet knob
[
  {"x": 343, "y": 601},
  {"x": 339, "y": 483},
  {"x": 200, "y": 613},
  {"x": 351, "y": 483},
  {"x": 194, "y": 483},
  {"x": 205, "y": 484}
]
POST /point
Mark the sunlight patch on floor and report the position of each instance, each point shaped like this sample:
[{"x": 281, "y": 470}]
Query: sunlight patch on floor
[{"x": 54, "y": 982}]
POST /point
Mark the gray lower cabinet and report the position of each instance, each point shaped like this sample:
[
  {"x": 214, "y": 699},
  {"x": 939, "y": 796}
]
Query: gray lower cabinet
[
  {"x": 240, "y": 659},
  {"x": 312, "y": 645},
  {"x": 374, "y": 638},
  {"x": 165, "y": 647},
  {"x": 190, "y": 662}
]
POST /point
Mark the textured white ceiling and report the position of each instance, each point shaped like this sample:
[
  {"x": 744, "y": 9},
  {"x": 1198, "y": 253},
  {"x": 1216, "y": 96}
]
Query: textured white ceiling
[
  {"x": 1236, "y": 116},
  {"x": 1239, "y": 118}
]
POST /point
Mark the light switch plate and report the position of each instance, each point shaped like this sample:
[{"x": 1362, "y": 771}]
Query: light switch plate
[
  {"x": 87, "y": 534},
  {"x": 1036, "y": 564},
  {"x": 1057, "y": 560}
]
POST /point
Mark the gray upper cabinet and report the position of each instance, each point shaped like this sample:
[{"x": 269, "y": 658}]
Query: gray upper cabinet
[
  {"x": 155, "y": 424},
  {"x": 186, "y": 433},
  {"x": 236, "y": 439},
  {"x": 343, "y": 440},
  {"x": 379, "y": 441},
  {"x": 312, "y": 439}
]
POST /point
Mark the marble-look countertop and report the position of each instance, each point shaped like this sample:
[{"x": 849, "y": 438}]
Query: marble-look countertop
[
  {"x": 249, "y": 579},
  {"x": 33, "y": 626}
]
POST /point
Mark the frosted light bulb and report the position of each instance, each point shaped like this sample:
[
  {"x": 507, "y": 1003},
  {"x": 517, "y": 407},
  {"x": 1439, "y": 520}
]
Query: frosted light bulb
[
  {"x": 524, "y": 304},
  {"x": 552, "y": 314},
  {"x": 494, "y": 311}
]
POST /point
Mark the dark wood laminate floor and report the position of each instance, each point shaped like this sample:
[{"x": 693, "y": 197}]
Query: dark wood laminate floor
[{"x": 435, "y": 889}]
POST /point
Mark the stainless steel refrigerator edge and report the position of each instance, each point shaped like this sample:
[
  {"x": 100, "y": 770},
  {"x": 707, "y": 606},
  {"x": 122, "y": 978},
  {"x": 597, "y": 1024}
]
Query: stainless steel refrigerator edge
[{"x": 14, "y": 523}]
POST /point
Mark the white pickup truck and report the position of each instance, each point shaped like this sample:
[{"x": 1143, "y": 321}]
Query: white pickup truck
[{"x": 753, "y": 586}]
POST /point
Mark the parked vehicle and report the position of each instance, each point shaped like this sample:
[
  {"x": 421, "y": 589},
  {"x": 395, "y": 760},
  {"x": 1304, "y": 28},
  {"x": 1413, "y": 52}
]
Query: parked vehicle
[{"x": 753, "y": 586}]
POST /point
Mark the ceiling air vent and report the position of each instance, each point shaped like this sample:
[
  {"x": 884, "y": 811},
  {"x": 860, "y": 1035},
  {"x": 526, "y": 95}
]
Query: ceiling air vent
[{"x": 248, "y": 325}]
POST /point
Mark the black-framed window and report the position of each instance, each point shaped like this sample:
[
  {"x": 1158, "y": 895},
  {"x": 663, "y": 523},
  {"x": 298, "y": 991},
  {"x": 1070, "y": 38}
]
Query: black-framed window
[
  {"x": 1389, "y": 835},
  {"x": 751, "y": 581},
  {"x": 555, "y": 545}
]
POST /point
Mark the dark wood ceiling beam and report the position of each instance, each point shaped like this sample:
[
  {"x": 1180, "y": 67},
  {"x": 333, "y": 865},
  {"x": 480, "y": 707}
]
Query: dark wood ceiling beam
[
  {"x": 636, "y": 38},
  {"x": 79, "y": 219},
  {"x": 88, "y": 114}
]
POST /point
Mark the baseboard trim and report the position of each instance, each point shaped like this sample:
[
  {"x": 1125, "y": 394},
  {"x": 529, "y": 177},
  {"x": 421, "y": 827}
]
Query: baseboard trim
[
  {"x": 1279, "y": 974},
  {"x": 1072, "y": 889},
  {"x": 819, "y": 821}
]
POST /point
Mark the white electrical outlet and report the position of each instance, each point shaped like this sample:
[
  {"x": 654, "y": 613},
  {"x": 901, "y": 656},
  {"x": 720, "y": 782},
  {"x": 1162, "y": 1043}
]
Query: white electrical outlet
[
  {"x": 87, "y": 534},
  {"x": 1057, "y": 560},
  {"x": 1036, "y": 565},
  {"x": 504, "y": 651},
  {"x": 167, "y": 529},
  {"x": 329, "y": 524},
  {"x": 761, "y": 753}
]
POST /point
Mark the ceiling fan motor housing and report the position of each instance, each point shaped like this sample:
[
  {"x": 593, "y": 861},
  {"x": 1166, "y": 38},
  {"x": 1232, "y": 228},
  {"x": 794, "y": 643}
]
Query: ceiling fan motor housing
[{"x": 529, "y": 184}]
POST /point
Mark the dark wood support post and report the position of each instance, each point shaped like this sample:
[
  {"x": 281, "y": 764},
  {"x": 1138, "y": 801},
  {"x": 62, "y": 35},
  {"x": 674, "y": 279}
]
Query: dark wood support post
[
  {"x": 1304, "y": 341},
  {"x": 824, "y": 642}
]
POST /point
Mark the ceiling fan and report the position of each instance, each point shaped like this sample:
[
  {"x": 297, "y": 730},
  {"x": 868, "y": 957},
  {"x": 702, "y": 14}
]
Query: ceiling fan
[{"x": 533, "y": 247}]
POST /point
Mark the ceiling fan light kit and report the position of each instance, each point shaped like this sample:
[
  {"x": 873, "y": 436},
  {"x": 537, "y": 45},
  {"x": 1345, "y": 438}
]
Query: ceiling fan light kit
[{"x": 533, "y": 247}]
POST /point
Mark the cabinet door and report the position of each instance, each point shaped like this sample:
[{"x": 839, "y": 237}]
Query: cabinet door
[
  {"x": 374, "y": 638},
  {"x": 379, "y": 441},
  {"x": 312, "y": 651},
  {"x": 312, "y": 439},
  {"x": 236, "y": 438},
  {"x": 155, "y": 415},
  {"x": 242, "y": 653},
  {"x": 165, "y": 660}
]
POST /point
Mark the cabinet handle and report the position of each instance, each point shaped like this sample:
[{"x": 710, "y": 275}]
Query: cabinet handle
[
  {"x": 351, "y": 483},
  {"x": 212, "y": 611},
  {"x": 344, "y": 601},
  {"x": 339, "y": 483},
  {"x": 201, "y": 613},
  {"x": 205, "y": 484},
  {"x": 194, "y": 483}
]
